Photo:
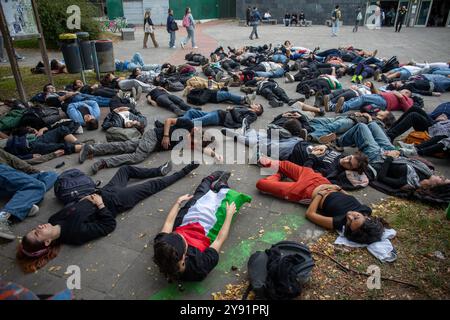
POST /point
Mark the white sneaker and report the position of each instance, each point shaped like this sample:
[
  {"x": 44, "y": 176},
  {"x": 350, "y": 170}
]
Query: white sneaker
[
  {"x": 174, "y": 47},
  {"x": 79, "y": 130},
  {"x": 33, "y": 211},
  {"x": 195, "y": 47}
]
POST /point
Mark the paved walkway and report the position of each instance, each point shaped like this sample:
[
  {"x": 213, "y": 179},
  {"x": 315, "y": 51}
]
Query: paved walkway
[{"x": 120, "y": 265}]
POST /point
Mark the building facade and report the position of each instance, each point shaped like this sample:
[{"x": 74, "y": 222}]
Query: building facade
[{"x": 421, "y": 13}]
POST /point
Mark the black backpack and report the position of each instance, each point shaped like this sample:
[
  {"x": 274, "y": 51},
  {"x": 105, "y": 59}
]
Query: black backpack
[
  {"x": 280, "y": 272},
  {"x": 392, "y": 63},
  {"x": 72, "y": 185}
]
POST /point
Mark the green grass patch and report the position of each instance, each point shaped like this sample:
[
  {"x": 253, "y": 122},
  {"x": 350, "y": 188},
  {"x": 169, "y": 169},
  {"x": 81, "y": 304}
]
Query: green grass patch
[
  {"x": 35, "y": 82},
  {"x": 27, "y": 44}
]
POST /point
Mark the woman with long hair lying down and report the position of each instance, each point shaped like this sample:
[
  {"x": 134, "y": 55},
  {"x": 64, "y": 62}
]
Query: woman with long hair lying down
[
  {"x": 338, "y": 208},
  {"x": 94, "y": 216},
  {"x": 188, "y": 246}
]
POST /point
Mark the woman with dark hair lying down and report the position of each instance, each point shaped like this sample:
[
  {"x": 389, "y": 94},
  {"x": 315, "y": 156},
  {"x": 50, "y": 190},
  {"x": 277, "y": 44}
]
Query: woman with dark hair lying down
[
  {"x": 94, "y": 216},
  {"x": 338, "y": 208}
]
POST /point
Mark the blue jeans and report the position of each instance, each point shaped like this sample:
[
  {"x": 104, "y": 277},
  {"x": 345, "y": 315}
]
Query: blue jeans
[
  {"x": 271, "y": 74},
  {"x": 102, "y": 101},
  {"x": 368, "y": 138},
  {"x": 440, "y": 109},
  {"x": 358, "y": 102},
  {"x": 324, "y": 126},
  {"x": 404, "y": 73},
  {"x": 25, "y": 190},
  {"x": 190, "y": 35},
  {"x": 206, "y": 118},
  {"x": 440, "y": 70},
  {"x": 441, "y": 83},
  {"x": 335, "y": 27},
  {"x": 228, "y": 96},
  {"x": 280, "y": 58},
  {"x": 172, "y": 39}
]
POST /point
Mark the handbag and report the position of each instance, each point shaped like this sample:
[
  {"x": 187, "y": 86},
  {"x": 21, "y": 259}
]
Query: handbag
[{"x": 148, "y": 28}]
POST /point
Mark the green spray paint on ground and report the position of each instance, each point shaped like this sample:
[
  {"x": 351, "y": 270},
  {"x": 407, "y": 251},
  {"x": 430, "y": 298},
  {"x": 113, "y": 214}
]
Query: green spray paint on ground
[{"x": 236, "y": 256}]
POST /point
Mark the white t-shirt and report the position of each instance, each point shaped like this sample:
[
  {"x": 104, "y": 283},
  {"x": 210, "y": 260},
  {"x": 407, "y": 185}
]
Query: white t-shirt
[{"x": 413, "y": 69}]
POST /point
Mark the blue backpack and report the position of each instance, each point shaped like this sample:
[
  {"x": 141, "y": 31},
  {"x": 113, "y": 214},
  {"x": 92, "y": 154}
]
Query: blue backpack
[{"x": 72, "y": 185}]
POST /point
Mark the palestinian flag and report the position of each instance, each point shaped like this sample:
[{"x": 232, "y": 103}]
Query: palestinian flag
[{"x": 205, "y": 218}]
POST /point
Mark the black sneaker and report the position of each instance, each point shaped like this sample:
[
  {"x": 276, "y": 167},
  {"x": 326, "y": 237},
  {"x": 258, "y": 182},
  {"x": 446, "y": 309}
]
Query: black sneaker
[
  {"x": 221, "y": 182},
  {"x": 96, "y": 167},
  {"x": 166, "y": 168},
  {"x": 159, "y": 124},
  {"x": 191, "y": 167},
  {"x": 86, "y": 151},
  {"x": 275, "y": 103}
]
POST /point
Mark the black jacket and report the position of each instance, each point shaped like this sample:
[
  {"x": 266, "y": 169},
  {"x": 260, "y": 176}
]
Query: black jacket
[
  {"x": 233, "y": 118},
  {"x": 83, "y": 222},
  {"x": 39, "y": 117},
  {"x": 113, "y": 119}
]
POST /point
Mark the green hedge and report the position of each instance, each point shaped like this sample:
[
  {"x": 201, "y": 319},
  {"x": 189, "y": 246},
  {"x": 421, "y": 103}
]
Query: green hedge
[{"x": 54, "y": 17}]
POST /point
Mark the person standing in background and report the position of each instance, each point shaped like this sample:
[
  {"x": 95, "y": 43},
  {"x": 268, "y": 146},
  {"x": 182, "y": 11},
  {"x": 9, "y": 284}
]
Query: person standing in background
[
  {"x": 189, "y": 24},
  {"x": 336, "y": 17},
  {"x": 400, "y": 18},
  {"x": 378, "y": 16},
  {"x": 149, "y": 30},
  {"x": 171, "y": 27},
  {"x": 247, "y": 15},
  {"x": 255, "y": 18},
  {"x": 358, "y": 15}
]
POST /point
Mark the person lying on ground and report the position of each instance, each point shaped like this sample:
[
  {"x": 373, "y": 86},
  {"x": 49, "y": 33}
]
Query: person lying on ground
[
  {"x": 24, "y": 186},
  {"x": 94, "y": 216},
  {"x": 158, "y": 96},
  {"x": 164, "y": 137},
  {"x": 271, "y": 90},
  {"x": 135, "y": 86},
  {"x": 187, "y": 248},
  {"x": 201, "y": 97},
  {"x": 334, "y": 209},
  {"x": 136, "y": 61},
  {"x": 312, "y": 70},
  {"x": 325, "y": 130},
  {"x": 232, "y": 117},
  {"x": 124, "y": 117},
  {"x": 94, "y": 89},
  {"x": 145, "y": 76},
  {"x": 61, "y": 99},
  {"x": 425, "y": 84},
  {"x": 28, "y": 143},
  {"x": 391, "y": 169},
  {"x": 401, "y": 73},
  {"x": 328, "y": 101},
  {"x": 324, "y": 83},
  {"x": 86, "y": 113},
  {"x": 389, "y": 100}
]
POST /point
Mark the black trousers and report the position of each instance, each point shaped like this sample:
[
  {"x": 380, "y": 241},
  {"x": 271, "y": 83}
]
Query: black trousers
[
  {"x": 431, "y": 147},
  {"x": 53, "y": 140},
  {"x": 105, "y": 92},
  {"x": 346, "y": 93},
  {"x": 398, "y": 25},
  {"x": 119, "y": 197},
  {"x": 415, "y": 118},
  {"x": 172, "y": 102},
  {"x": 273, "y": 91},
  {"x": 203, "y": 188}
]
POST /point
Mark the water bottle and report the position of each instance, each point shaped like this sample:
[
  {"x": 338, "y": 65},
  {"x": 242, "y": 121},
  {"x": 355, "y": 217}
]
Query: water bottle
[{"x": 210, "y": 83}]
